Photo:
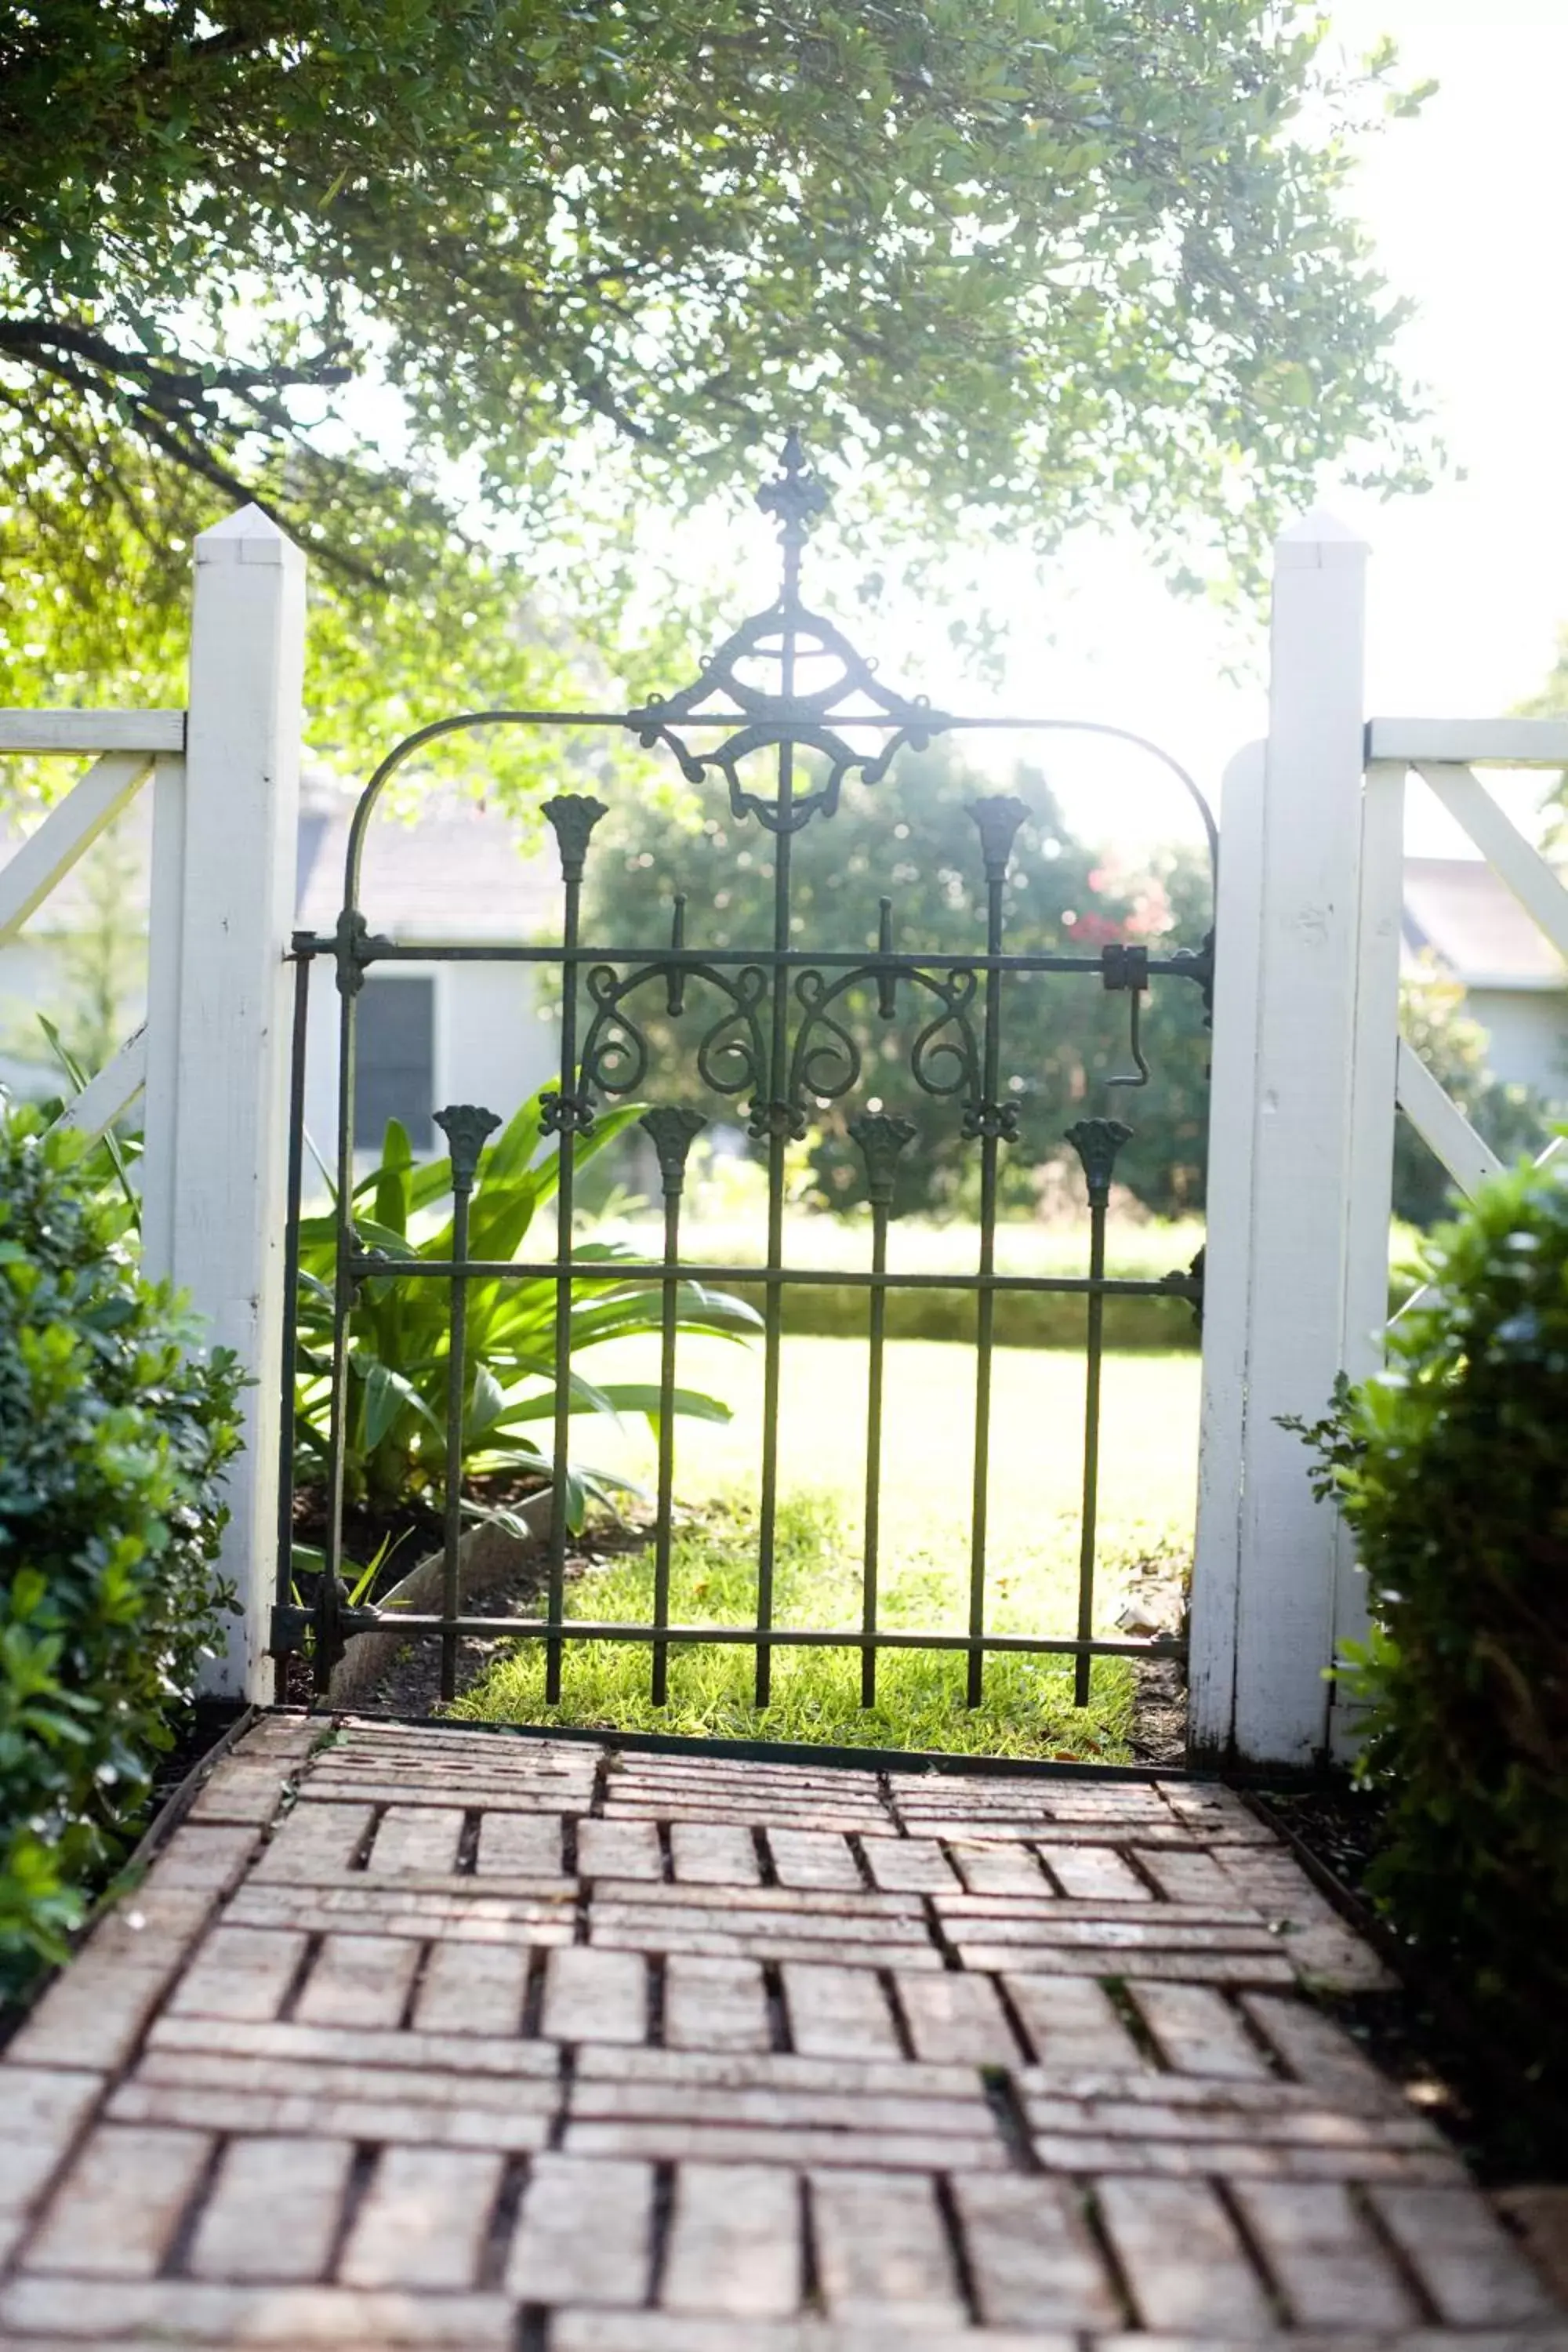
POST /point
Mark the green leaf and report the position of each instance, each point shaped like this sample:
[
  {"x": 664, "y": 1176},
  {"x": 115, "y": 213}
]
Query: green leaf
[
  {"x": 387, "y": 1394},
  {"x": 392, "y": 1177}
]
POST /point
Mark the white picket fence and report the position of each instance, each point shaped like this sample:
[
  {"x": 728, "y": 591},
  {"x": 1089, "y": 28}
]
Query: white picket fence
[{"x": 1308, "y": 1068}]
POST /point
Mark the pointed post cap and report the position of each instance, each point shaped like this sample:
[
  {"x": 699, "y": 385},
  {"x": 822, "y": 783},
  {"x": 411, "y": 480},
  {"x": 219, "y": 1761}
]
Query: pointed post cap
[
  {"x": 248, "y": 536},
  {"x": 1317, "y": 541}
]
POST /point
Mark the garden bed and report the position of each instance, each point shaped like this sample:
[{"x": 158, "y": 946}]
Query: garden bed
[{"x": 1508, "y": 2127}]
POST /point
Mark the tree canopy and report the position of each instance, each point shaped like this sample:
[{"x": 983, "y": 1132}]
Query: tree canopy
[{"x": 438, "y": 281}]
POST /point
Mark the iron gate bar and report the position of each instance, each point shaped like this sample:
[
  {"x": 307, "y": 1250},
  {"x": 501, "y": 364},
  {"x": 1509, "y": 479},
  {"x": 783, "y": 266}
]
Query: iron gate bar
[
  {"x": 573, "y": 816},
  {"x": 466, "y": 1127},
  {"x": 1186, "y": 964},
  {"x": 739, "y": 1052},
  {"x": 293, "y": 1188},
  {"x": 777, "y": 1134},
  {"x": 774, "y": 1637},
  {"x": 673, "y": 1131},
  {"x": 881, "y": 1138},
  {"x": 1171, "y": 1286},
  {"x": 1097, "y": 1142},
  {"x": 332, "y": 1596},
  {"x": 935, "y": 722}
]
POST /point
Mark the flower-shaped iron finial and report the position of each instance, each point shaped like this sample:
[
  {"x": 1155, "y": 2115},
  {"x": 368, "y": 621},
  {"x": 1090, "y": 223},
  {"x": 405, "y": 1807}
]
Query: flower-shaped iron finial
[
  {"x": 674, "y": 1128},
  {"x": 881, "y": 1138},
  {"x": 574, "y": 816},
  {"x": 1097, "y": 1142},
  {"x": 466, "y": 1127},
  {"x": 998, "y": 816}
]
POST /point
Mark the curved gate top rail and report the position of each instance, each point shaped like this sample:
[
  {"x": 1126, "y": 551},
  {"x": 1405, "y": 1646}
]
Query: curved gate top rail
[{"x": 780, "y": 1045}]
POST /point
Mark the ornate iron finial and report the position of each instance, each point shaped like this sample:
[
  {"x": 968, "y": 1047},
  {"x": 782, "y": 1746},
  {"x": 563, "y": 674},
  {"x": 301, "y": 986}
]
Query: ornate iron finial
[
  {"x": 998, "y": 816},
  {"x": 1097, "y": 1142},
  {"x": 881, "y": 1138},
  {"x": 574, "y": 816},
  {"x": 674, "y": 1129},
  {"x": 466, "y": 1127},
  {"x": 795, "y": 495}
]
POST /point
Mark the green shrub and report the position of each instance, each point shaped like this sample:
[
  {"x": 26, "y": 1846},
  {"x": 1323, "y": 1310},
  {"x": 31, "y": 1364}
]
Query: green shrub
[
  {"x": 1452, "y": 1469},
  {"x": 111, "y": 1437}
]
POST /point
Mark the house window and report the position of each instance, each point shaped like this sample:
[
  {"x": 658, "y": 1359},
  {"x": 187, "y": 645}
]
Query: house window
[{"x": 395, "y": 1059}]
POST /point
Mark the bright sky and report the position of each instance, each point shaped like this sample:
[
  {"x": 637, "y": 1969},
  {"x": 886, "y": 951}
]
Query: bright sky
[{"x": 1469, "y": 583}]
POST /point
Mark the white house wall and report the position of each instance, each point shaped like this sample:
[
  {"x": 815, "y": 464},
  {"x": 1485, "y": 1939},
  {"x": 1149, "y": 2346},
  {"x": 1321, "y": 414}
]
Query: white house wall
[
  {"x": 490, "y": 1045},
  {"x": 1527, "y": 1035}
]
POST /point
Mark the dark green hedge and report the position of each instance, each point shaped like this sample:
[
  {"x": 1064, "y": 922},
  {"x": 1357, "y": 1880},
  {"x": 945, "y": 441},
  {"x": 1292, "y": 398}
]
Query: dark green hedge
[
  {"x": 1452, "y": 1469},
  {"x": 112, "y": 1432},
  {"x": 1024, "y": 1318}
]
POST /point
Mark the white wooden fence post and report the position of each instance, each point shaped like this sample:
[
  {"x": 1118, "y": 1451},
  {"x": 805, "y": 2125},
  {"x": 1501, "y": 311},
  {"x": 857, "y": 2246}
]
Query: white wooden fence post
[
  {"x": 1282, "y": 1121},
  {"x": 1369, "y": 1178},
  {"x": 1227, "y": 1261},
  {"x": 225, "y": 861}
]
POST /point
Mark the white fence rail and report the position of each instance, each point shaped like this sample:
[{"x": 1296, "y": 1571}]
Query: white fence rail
[{"x": 211, "y": 1060}]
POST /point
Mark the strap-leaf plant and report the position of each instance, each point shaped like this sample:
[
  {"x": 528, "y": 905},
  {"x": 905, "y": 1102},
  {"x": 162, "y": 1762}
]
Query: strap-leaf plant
[{"x": 400, "y": 1331}]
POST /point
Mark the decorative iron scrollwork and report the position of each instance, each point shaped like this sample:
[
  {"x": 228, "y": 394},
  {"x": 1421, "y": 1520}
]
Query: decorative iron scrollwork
[
  {"x": 793, "y": 717},
  {"x": 732, "y": 1055},
  {"x": 614, "y": 1052},
  {"x": 730, "y": 1063},
  {"x": 785, "y": 1119},
  {"x": 795, "y": 494},
  {"x": 799, "y": 734},
  {"x": 990, "y": 1121},
  {"x": 563, "y": 1114},
  {"x": 945, "y": 1060},
  {"x": 826, "y": 1060},
  {"x": 948, "y": 1038}
]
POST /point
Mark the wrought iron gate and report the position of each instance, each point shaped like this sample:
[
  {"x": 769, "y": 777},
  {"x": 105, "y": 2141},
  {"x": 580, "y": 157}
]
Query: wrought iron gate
[{"x": 778, "y": 1049}]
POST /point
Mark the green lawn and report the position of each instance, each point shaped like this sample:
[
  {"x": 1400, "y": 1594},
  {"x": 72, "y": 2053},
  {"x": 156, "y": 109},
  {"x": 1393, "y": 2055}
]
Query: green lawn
[{"x": 1148, "y": 1472}]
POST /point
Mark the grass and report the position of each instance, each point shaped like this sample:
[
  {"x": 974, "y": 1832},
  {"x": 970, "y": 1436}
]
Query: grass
[
  {"x": 1148, "y": 1474},
  {"x": 1027, "y": 1709}
]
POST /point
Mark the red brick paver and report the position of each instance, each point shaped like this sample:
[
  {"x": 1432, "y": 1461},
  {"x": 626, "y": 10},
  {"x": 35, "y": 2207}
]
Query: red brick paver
[{"x": 427, "y": 2037}]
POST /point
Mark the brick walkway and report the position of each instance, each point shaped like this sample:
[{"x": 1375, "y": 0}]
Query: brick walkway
[{"x": 433, "y": 2038}]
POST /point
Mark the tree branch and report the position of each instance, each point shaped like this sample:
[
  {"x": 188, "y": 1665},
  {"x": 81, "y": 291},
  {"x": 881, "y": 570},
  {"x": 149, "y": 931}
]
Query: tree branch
[{"x": 33, "y": 337}]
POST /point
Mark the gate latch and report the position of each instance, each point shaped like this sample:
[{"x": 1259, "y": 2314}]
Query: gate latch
[
  {"x": 1128, "y": 968},
  {"x": 1125, "y": 967}
]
